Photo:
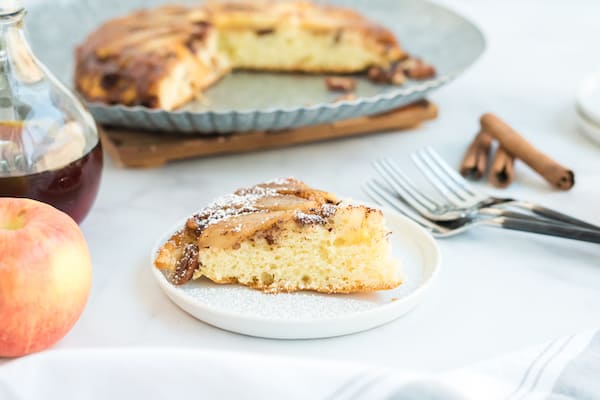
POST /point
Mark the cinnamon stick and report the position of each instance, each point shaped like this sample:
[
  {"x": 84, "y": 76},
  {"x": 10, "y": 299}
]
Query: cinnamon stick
[
  {"x": 475, "y": 160},
  {"x": 502, "y": 171},
  {"x": 556, "y": 174}
]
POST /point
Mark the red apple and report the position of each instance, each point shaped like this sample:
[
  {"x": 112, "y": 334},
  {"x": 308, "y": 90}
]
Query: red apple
[{"x": 45, "y": 275}]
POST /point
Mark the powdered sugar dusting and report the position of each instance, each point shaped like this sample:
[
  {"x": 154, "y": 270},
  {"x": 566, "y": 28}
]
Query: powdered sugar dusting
[
  {"x": 284, "y": 306},
  {"x": 244, "y": 201},
  {"x": 230, "y": 205},
  {"x": 308, "y": 219},
  {"x": 327, "y": 210}
]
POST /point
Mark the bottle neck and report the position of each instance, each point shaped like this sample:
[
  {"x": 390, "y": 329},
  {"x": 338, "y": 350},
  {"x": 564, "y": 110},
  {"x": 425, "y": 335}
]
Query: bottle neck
[{"x": 18, "y": 66}]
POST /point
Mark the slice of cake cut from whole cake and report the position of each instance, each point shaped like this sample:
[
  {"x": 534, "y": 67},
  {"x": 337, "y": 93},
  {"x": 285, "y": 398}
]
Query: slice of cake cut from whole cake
[{"x": 283, "y": 236}]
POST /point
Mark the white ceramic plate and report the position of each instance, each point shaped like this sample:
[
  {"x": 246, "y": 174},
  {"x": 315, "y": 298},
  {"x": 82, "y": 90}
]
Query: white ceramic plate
[
  {"x": 588, "y": 97},
  {"x": 588, "y": 106},
  {"x": 588, "y": 126},
  {"x": 306, "y": 315}
]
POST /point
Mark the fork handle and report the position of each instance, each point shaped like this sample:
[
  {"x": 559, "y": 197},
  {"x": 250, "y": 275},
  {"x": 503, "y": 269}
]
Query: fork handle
[
  {"x": 503, "y": 212},
  {"x": 552, "y": 214},
  {"x": 544, "y": 228}
]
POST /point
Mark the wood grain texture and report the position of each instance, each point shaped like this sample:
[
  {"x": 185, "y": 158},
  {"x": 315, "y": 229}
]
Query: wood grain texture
[{"x": 143, "y": 149}]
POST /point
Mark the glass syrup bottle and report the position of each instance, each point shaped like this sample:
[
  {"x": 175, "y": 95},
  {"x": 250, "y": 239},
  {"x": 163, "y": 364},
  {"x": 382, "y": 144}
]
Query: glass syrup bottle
[{"x": 49, "y": 145}]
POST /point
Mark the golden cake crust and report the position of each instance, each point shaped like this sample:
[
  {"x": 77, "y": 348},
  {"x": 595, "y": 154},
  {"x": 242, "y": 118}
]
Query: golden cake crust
[{"x": 163, "y": 57}]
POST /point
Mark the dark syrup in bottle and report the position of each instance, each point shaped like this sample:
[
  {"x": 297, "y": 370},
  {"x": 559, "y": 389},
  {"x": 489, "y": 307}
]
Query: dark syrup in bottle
[{"x": 71, "y": 188}]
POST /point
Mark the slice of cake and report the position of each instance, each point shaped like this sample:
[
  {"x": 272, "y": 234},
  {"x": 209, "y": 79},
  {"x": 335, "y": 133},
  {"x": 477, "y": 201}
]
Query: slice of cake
[
  {"x": 163, "y": 57},
  {"x": 283, "y": 236}
]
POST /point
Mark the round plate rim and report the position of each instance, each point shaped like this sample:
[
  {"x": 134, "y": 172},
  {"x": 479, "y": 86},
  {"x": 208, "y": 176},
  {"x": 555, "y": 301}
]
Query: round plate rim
[
  {"x": 589, "y": 127},
  {"x": 413, "y": 297},
  {"x": 591, "y": 82}
]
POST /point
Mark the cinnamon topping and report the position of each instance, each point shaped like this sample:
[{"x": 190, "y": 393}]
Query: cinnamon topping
[{"x": 303, "y": 218}]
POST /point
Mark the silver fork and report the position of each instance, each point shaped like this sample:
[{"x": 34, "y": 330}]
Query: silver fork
[
  {"x": 381, "y": 195},
  {"x": 463, "y": 199},
  {"x": 425, "y": 205},
  {"x": 429, "y": 207}
]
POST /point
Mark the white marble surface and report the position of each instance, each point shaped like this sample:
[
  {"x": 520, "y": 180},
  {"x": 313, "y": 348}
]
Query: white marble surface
[{"x": 498, "y": 290}]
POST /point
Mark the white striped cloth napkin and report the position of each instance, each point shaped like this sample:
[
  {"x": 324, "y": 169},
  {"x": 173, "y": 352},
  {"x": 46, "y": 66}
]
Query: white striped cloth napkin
[{"x": 567, "y": 368}]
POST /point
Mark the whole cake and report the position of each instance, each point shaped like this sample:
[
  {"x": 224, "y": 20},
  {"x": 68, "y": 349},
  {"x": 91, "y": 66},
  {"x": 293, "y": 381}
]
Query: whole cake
[
  {"x": 164, "y": 57},
  {"x": 283, "y": 236}
]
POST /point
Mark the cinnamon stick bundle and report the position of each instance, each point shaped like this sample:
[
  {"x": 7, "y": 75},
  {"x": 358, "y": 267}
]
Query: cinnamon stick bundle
[
  {"x": 476, "y": 158},
  {"x": 502, "y": 171},
  {"x": 556, "y": 174}
]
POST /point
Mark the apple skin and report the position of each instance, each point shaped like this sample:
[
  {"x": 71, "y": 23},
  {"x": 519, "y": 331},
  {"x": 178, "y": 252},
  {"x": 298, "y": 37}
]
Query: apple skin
[{"x": 45, "y": 275}]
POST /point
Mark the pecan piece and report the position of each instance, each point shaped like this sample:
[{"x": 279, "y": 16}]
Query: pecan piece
[
  {"x": 393, "y": 75},
  {"x": 186, "y": 266},
  {"x": 415, "y": 68},
  {"x": 340, "y": 83},
  {"x": 397, "y": 76},
  {"x": 378, "y": 75}
]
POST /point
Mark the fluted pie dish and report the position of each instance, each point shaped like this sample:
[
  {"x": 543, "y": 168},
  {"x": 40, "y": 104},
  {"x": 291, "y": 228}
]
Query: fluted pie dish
[
  {"x": 163, "y": 57},
  {"x": 247, "y": 100}
]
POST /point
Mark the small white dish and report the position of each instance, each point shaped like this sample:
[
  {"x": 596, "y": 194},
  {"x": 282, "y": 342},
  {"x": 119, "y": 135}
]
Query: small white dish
[
  {"x": 308, "y": 315},
  {"x": 588, "y": 126},
  {"x": 588, "y": 98}
]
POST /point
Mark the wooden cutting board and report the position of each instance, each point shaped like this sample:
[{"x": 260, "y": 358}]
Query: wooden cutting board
[{"x": 145, "y": 149}]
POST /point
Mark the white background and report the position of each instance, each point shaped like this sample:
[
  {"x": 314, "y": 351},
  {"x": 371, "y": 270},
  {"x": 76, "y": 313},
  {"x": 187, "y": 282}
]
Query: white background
[{"x": 498, "y": 291}]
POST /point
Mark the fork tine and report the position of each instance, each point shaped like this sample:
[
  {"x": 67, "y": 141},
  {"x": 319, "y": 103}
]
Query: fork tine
[
  {"x": 376, "y": 191},
  {"x": 382, "y": 196},
  {"x": 438, "y": 179},
  {"x": 402, "y": 185},
  {"x": 455, "y": 176},
  {"x": 395, "y": 168}
]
